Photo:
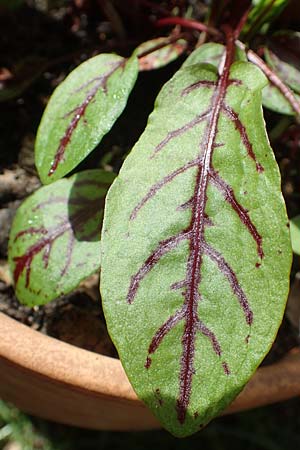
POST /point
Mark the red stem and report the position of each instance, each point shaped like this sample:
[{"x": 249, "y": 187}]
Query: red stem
[
  {"x": 272, "y": 77},
  {"x": 252, "y": 56},
  {"x": 187, "y": 23},
  {"x": 241, "y": 23}
]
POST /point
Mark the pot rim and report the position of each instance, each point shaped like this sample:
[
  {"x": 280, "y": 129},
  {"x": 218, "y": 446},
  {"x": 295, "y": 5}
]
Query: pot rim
[
  {"x": 58, "y": 368},
  {"x": 55, "y": 359}
]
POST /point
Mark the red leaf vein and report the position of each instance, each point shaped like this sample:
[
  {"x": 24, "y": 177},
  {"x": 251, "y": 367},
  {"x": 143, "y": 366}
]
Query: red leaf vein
[
  {"x": 194, "y": 233},
  {"x": 78, "y": 113}
]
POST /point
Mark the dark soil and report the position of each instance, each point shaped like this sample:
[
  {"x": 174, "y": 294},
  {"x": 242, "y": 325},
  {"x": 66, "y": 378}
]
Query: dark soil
[{"x": 76, "y": 319}]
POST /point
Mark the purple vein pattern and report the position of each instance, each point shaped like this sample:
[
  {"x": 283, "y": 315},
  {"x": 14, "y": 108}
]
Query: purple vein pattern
[
  {"x": 194, "y": 233},
  {"x": 78, "y": 113},
  {"x": 79, "y": 211}
]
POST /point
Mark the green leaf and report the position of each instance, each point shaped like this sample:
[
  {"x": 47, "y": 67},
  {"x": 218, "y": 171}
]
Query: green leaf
[
  {"x": 283, "y": 56},
  {"x": 160, "y": 57},
  {"x": 81, "y": 111},
  {"x": 273, "y": 99},
  {"x": 295, "y": 234},
  {"x": 55, "y": 237},
  {"x": 195, "y": 247},
  {"x": 211, "y": 53}
]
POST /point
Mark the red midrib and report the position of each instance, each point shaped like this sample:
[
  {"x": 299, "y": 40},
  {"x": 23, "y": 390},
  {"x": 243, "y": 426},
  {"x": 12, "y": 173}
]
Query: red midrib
[
  {"x": 196, "y": 250},
  {"x": 79, "y": 113}
]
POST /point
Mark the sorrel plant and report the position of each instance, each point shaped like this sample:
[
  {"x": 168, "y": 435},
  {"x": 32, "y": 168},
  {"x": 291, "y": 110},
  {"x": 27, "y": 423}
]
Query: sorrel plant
[{"x": 195, "y": 250}]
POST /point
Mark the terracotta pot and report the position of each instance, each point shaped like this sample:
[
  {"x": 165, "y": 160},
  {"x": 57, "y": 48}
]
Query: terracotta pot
[{"x": 56, "y": 381}]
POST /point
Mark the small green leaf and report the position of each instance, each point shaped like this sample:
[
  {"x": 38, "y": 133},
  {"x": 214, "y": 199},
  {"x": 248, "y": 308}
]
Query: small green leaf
[
  {"x": 283, "y": 56},
  {"x": 295, "y": 234},
  {"x": 55, "y": 237},
  {"x": 195, "y": 246},
  {"x": 160, "y": 57},
  {"x": 273, "y": 99},
  {"x": 81, "y": 111}
]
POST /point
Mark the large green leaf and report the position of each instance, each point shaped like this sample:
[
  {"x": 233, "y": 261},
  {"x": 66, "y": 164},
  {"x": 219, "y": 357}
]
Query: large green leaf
[
  {"x": 55, "y": 237},
  {"x": 195, "y": 246},
  {"x": 81, "y": 111}
]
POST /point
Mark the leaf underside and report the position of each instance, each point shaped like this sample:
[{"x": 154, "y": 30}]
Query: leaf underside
[
  {"x": 55, "y": 237},
  {"x": 274, "y": 100},
  {"x": 295, "y": 234},
  {"x": 81, "y": 111},
  {"x": 195, "y": 246},
  {"x": 283, "y": 56},
  {"x": 162, "y": 56}
]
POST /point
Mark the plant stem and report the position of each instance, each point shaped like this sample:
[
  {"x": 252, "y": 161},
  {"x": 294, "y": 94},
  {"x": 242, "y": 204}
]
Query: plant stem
[
  {"x": 187, "y": 23},
  {"x": 241, "y": 23},
  {"x": 252, "y": 56},
  {"x": 273, "y": 78}
]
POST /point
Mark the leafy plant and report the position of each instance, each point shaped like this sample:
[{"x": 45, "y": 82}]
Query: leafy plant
[{"x": 195, "y": 246}]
